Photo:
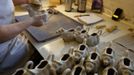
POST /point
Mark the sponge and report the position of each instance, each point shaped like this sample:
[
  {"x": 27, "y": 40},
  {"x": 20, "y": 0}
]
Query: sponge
[{"x": 111, "y": 28}]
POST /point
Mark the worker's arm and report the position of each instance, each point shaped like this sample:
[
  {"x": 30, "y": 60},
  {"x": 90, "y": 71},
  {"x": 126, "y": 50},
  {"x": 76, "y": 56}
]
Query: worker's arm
[{"x": 8, "y": 32}]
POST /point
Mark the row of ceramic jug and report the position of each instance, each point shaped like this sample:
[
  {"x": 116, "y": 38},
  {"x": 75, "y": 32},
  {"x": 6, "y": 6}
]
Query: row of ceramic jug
[
  {"x": 80, "y": 61},
  {"x": 80, "y": 35}
]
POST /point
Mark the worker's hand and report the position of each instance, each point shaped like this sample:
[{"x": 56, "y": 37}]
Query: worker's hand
[{"x": 37, "y": 21}]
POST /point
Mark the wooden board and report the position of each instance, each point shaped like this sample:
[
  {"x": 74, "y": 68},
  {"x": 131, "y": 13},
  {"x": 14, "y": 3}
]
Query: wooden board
[{"x": 48, "y": 32}]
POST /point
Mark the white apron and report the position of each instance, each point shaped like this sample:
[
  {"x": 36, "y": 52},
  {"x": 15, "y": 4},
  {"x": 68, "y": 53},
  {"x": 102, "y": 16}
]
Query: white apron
[{"x": 12, "y": 51}]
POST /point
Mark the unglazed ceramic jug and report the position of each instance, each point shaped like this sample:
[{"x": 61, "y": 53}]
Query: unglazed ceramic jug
[
  {"x": 110, "y": 70},
  {"x": 42, "y": 68},
  {"x": 125, "y": 66},
  {"x": 67, "y": 35},
  {"x": 93, "y": 39},
  {"x": 92, "y": 62},
  {"x": 79, "y": 69},
  {"x": 25, "y": 70},
  {"x": 32, "y": 9},
  {"x": 107, "y": 57},
  {"x": 21, "y": 71},
  {"x": 67, "y": 61},
  {"x": 45, "y": 67},
  {"x": 81, "y": 35},
  {"x": 81, "y": 52}
]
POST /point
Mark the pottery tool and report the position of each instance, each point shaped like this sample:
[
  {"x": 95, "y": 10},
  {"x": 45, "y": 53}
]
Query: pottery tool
[
  {"x": 81, "y": 15},
  {"x": 100, "y": 26}
]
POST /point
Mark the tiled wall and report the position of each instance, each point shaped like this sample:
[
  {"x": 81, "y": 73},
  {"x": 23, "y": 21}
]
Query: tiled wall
[{"x": 126, "y": 5}]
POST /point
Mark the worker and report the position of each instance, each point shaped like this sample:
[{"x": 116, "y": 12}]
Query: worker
[{"x": 13, "y": 46}]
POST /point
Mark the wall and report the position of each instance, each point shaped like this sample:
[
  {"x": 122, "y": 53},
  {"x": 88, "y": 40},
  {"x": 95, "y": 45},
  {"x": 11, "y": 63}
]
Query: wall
[
  {"x": 111, "y": 5},
  {"x": 126, "y": 5}
]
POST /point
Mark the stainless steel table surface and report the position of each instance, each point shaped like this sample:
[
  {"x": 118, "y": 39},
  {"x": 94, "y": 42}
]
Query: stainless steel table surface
[{"x": 57, "y": 46}]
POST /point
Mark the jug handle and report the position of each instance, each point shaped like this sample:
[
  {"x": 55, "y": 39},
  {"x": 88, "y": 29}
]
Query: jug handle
[
  {"x": 95, "y": 49},
  {"x": 127, "y": 53},
  {"x": 67, "y": 71},
  {"x": 99, "y": 32},
  {"x": 88, "y": 28},
  {"x": 18, "y": 71},
  {"x": 85, "y": 41},
  {"x": 71, "y": 50},
  {"x": 29, "y": 65},
  {"x": 78, "y": 28},
  {"x": 60, "y": 30},
  {"x": 82, "y": 61},
  {"x": 50, "y": 57}
]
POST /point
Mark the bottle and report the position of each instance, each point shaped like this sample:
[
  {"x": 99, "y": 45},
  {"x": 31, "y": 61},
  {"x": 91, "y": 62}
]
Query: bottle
[
  {"x": 68, "y": 5},
  {"x": 82, "y": 5},
  {"x": 97, "y": 6}
]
